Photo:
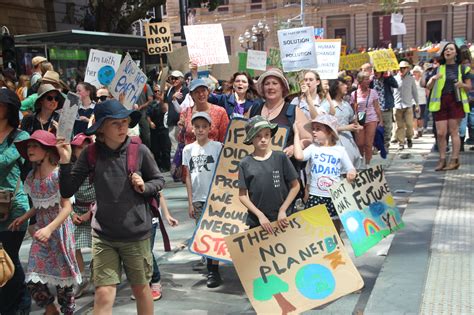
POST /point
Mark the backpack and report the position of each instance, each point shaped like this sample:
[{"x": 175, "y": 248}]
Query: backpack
[
  {"x": 24, "y": 167},
  {"x": 290, "y": 112},
  {"x": 132, "y": 158}
]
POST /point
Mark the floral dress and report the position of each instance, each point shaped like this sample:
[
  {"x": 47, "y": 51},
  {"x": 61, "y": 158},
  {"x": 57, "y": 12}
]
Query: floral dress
[{"x": 53, "y": 263}]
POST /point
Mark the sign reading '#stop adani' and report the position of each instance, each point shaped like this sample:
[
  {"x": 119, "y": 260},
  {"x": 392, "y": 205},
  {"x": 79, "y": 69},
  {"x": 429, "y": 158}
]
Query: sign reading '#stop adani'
[
  {"x": 158, "y": 38},
  {"x": 297, "y": 49}
]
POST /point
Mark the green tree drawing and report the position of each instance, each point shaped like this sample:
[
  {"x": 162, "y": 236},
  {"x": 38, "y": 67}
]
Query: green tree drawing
[{"x": 272, "y": 287}]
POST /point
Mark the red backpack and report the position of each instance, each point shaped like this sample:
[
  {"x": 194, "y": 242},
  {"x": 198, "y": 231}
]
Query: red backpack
[{"x": 132, "y": 157}]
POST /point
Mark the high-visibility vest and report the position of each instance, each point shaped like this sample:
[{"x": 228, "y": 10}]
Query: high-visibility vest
[{"x": 435, "y": 99}]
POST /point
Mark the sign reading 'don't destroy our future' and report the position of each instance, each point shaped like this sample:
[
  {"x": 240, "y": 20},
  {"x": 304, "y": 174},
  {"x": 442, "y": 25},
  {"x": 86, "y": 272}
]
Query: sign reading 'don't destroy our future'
[
  {"x": 298, "y": 268},
  {"x": 366, "y": 209},
  {"x": 101, "y": 67},
  {"x": 223, "y": 213},
  {"x": 297, "y": 48},
  {"x": 384, "y": 60},
  {"x": 206, "y": 44},
  {"x": 128, "y": 81},
  {"x": 158, "y": 38},
  {"x": 328, "y": 53}
]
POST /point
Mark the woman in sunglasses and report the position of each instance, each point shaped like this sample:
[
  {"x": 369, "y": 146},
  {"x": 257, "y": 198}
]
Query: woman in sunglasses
[{"x": 86, "y": 92}]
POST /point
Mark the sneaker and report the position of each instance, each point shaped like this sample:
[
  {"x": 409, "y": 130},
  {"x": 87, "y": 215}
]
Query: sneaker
[
  {"x": 401, "y": 147},
  {"x": 213, "y": 279},
  {"x": 394, "y": 141},
  {"x": 410, "y": 143},
  {"x": 156, "y": 291},
  {"x": 81, "y": 289}
]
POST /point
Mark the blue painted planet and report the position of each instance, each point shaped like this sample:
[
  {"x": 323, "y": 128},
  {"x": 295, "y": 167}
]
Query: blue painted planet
[
  {"x": 315, "y": 282},
  {"x": 106, "y": 75}
]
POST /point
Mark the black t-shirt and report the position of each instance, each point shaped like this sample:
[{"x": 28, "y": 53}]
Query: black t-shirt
[
  {"x": 156, "y": 114},
  {"x": 452, "y": 77},
  {"x": 267, "y": 182},
  {"x": 173, "y": 115}
]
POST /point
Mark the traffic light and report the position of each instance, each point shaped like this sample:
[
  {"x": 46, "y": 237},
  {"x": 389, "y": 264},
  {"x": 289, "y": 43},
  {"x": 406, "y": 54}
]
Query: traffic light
[{"x": 8, "y": 52}]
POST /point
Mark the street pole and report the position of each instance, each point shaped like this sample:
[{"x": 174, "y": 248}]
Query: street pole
[
  {"x": 302, "y": 12},
  {"x": 183, "y": 7}
]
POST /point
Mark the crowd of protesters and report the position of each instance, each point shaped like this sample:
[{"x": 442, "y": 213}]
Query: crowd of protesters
[{"x": 87, "y": 195}]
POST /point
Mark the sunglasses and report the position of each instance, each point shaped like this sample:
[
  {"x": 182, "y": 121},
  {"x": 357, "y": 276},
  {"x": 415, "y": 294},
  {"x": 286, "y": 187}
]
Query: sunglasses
[
  {"x": 173, "y": 78},
  {"x": 157, "y": 91},
  {"x": 50, "y": 98},
  {"x": 103, "y": 98}
]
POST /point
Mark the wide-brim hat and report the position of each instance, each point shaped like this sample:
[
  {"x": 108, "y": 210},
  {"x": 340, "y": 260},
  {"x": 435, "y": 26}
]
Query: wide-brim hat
[
  {"x": 404, "y": 64},
  {"x": 45, "y": 89},
  {"x": 37, "y": 60},
  {"x": 79, "y": 139},
  {"x": 328, "y": 120},
  {"x": 112, "y": 109},
  {"x": 9, "y": 98},
  {"x": 50, "y": 77},
  {"x": 177, "y": 74},
  {"x": 255, "y": 124},
  {"x": 273, "y": 73},
  {"x": 44, "y": 137}
]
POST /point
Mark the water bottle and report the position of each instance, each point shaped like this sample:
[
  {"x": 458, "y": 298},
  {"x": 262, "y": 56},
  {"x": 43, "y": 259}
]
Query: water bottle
[{"x": 457, "y": 92}]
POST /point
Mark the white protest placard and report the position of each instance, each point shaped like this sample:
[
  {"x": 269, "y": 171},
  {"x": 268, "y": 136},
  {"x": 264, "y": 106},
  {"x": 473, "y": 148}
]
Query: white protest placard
[
  {"x": 328, "y": 53},
  {"x": 101, "y": 67},
  {"x": 68, "y": 117},
  {"x": 206, "y": 44},
  {"x": 297, "y": 48},
  {"x": 257, "y": 60},
  {"x": 129, "y": 80}
]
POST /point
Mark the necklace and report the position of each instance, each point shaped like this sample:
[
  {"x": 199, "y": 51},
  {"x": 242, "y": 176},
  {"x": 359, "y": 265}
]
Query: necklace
[{"x": 270, "y": 111}]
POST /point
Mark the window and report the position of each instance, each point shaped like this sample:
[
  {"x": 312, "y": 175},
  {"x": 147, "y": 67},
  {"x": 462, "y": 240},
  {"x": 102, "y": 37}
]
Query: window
[
  {"x": 228, "y": 45},
  {"x": 434, "y": 31}
]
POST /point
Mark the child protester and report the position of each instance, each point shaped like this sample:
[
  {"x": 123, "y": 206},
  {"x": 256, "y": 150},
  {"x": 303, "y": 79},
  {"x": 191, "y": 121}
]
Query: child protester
[
  {"x": 327, "y": 162},
  {"x": 200, "y": 158},
  {"x": 52, "y": 260},
  {"x": 121, "y": 225},
  {"x": 84, "y": 199},
  {"x": 268, "y": 182}
]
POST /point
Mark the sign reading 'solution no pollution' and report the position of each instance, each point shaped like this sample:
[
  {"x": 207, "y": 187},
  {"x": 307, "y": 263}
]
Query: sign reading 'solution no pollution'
[
  {"x": 297, "y": 48},
  {"x": 128, "y": 81},
  {"x": 223, "y": 213},
  {"x": 158, "y": 38},
  {"x": 206, "y": 44},
  {"x": 384, "y": 60},
  {"x": 297, "y": 268},
  {"x": 328, "y": 52},
  {"x": 366, "y": 209},
  {"x": 68, "y": 116},
  {"x": 101, "y": 67}
]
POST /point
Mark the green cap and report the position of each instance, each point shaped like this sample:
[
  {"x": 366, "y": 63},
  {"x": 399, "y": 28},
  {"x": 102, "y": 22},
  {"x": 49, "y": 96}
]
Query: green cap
[{"x": 255, "y": 124}]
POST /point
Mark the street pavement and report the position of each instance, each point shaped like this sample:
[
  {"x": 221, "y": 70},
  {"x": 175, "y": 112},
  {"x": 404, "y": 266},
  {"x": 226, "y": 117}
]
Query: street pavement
[{"x": 425, "y": 268}]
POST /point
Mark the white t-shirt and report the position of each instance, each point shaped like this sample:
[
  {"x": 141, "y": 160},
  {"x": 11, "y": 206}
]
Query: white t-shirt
[
  {"x": 326, "y": 166},
  {"x": 201, "y": 162}
]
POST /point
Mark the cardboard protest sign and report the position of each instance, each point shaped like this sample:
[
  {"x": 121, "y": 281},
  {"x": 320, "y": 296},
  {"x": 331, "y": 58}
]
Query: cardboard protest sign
[
  {"x": 158, "y": 38},
  {"x": 353, "y": 61},
  {"x": 179, "y": 59},
  {"x": 225, "y": 71},
  {"x": 101, "y": 67},
  {"x": 129, "y": 80},
  {"x": 297, "y": 268},
  {"x": 206, "y": 45},
  {"x": 297, "y": 48},
  {"x": 366, "y": 209},
  {"x": 68, "y": 116},
  {"x": 274, "y": 58},
  {"x": 223, "y": 213},
  {"x": 328, "y": 53},
  {"x": 384, "y": 60},
  {"x": 257, "y": 60}
]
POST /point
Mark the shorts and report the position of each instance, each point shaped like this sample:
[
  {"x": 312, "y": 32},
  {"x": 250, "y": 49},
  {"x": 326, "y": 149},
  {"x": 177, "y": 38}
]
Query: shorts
[
  {"x": 450, "y": 109},
  {"x": 422, "y": 112},
  {"x": 327, "y": 201},
  {"x": 109, "y": 256},
  {"x": 198, "y": 206}
]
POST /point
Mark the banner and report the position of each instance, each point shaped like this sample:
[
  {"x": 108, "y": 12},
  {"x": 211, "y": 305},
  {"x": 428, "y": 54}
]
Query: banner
[
  {"x": 328, "y": 53},
  {"x": 366, "y": 209},
  {"x": 257, "y": 60},
  {"x": 353, "y": 61},
  {"x": 297, "y": 49},
  {"x": 158, "y": 38},
  {"x": 384, "y": 60},
  {"x": 223, "y": 213},
  {"x": 68, "y": 116},
  {"x": 206, "y": 44},
  {"x": 297, "y": 268},
  {"x": 101, "y": 67},
  {"x": 128, "y": 81}
]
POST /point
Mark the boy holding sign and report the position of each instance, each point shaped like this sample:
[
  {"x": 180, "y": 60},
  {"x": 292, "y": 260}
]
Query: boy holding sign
[{"x": 268, "y": 182}]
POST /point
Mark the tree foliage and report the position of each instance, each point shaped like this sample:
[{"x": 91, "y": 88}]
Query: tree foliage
[{"x": 390, "y": 6}]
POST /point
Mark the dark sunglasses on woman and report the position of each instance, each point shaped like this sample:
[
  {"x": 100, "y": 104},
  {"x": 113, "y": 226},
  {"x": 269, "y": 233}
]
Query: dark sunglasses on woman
[
  {"x": 103, "y": 98},
  {"x": 50, "y": 98}
]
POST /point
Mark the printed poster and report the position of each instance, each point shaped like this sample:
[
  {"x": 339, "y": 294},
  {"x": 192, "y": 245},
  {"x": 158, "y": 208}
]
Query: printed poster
[
  {"x": 328, "y": 53},
  {"x": 366, "y": 209},
  {"x": 318, "y": 33},
  {"x": 158, "y": 38},
  {"x": 128, "y": 81},
  {"x": 384, "y": 60},
  {"x": 206, "y": 44},
  {"x": 297, "y": 268},
  {"x": 223, "y": 214},
  {"x": 257, "y": 60},
  {"x": 68, "y": 116},
  {"x": 353, "y": 61},
  {"x": 101, "y": 67},
  {"x": 297, "y": 49}
]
